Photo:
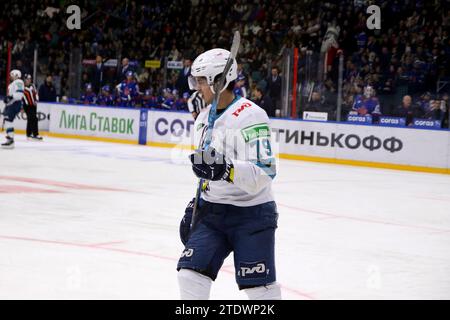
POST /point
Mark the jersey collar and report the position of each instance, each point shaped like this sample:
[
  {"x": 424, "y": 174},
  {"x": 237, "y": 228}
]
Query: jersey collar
[{"x": 236, "y": 98}]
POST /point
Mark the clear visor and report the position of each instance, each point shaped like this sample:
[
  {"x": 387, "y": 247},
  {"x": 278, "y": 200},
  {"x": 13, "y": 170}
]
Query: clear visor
[
  {"x": 196, "y": 82},
  {"x": 193, "y": 84}
]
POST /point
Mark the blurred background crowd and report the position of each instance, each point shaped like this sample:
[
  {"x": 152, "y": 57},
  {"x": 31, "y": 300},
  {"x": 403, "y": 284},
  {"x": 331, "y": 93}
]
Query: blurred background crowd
[{"x": 403, "y": 69}]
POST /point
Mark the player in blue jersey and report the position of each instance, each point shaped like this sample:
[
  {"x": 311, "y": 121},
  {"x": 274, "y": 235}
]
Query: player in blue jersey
[
  {"x": 367, "y": 104},
  {"x": 105, "y": 98},
  {"x": 181, "y": 102},
  {"x": 149, "y": 100},
  {"x": 128, "y": 91},
  {"x": 168, "y": 99},
  {"x": 89, "y": 97},
  {"x": 239, "y": 87}
]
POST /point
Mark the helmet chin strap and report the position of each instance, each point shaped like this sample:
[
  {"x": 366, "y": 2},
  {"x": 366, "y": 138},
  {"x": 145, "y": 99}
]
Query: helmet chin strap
[{"x": 214, "y": 92}]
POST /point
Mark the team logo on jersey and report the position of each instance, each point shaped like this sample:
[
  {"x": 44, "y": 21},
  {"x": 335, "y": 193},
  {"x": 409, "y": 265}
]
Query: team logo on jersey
[
  {"x": 241, "y": 108},
  {"x": 252, "y": 270},
  {"x": 187, "y": 254},
  {"x": 260, "y": 130},
  {"x": 199, "y": 126}
]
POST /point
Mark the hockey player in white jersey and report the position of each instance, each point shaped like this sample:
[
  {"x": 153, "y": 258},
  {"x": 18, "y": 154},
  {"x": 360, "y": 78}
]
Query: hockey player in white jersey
[
  {"x": 236, "y": 212},
  {"x": 13, "y": 105}
]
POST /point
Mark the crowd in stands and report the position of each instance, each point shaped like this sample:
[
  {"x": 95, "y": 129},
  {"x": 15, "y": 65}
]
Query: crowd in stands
[
  {"x": 382, "y": 69},
  {"x": 405, "y": 58},
  {"x": 426, "y": 106},
  {"x": 127, "y": 94}
]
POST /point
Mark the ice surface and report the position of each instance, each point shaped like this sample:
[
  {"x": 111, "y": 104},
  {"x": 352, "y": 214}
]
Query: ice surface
[{"x": 92, "y": 220}]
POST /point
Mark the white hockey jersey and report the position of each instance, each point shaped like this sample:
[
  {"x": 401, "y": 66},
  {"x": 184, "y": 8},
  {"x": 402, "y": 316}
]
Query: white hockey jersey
[
  {"x": 242, "y": 133},
  {"x": 15, "y": 90}
]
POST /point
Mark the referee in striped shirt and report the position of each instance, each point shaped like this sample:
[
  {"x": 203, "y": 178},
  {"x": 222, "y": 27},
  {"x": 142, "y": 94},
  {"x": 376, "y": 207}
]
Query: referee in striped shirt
[
  {"x": 30, "y": 99},
  {"x": 196, "y": 104}
]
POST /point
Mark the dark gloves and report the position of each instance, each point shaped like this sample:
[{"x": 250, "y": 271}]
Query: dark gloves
[
  {"x": 185, "y": 224},
  {"x": 7, "y": 99},
  {"x": 211, "y": 165}
]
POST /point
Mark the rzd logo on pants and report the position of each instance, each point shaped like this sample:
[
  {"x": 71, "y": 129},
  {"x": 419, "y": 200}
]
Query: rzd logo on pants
[
  {"x": 253, "y": 270},
  {"x": 187, "y": 254}
]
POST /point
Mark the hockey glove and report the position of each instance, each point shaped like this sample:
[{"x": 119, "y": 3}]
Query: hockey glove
[
  {"x": 185, "y": 224},
  {"x": 7, "y": 99},
  {"x": 212, "y": 165}
]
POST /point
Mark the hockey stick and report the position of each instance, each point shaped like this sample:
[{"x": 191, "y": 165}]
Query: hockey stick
[
  {"x": 218, "y": 86},
  {"x": 2, "y": 117}
]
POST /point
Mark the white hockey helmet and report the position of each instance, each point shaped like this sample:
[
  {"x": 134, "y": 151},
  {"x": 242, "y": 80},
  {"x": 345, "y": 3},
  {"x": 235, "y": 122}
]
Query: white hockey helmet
[
  {"x": 15, "y": 74},
  {"x": 209, "y": 65}
]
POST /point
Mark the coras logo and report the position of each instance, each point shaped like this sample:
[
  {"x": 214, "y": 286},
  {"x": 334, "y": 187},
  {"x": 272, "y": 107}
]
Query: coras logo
[
  {"x": 389, "y": 120},
  {"x": 426, "y": 123},
  {"x": 357, "y": 119}
]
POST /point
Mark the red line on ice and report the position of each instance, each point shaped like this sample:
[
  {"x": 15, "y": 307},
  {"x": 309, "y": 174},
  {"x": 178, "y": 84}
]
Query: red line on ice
[
  {"x": 331, "y": 215},
  {"x": 22, "y": 189},
  {"x": 100, "y": 246},
  {"x": 105, "y": 243},
  {"x": 432, "y": 198},
  {"x": 61, "y": 184}
]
